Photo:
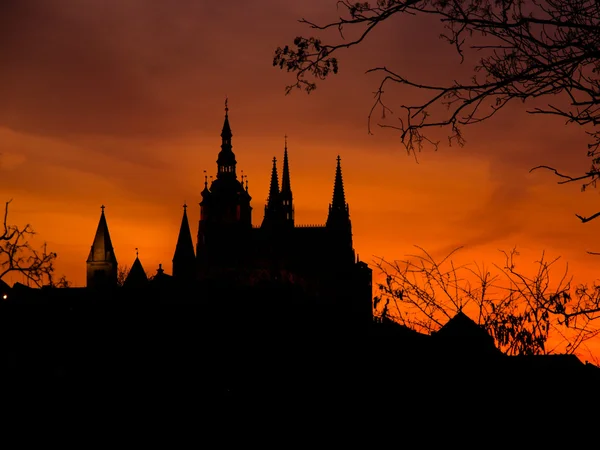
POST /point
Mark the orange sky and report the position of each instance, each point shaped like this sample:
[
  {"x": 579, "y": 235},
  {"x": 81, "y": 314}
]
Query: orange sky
[{"x": 121, "y": 103}]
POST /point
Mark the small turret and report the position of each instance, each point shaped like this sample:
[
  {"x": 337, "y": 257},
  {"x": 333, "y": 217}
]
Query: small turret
[{"x": 136, "y": 278}]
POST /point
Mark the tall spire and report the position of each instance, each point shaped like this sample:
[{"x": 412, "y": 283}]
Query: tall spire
[
  {"x": 274, "y": 188},
  {"x": 286, "y": 197},
  {"x": 339, "y": 199},
  {"x": 338, "y": 209},
  {"x": 184, "y": 257},
  {"x": 226, "y": 161},
  {"x": 226, "y": 132},
  {"x": 285, "y": 175},
  {"x": 338, "y": 222},
  {"x": 272, "y": 208}
]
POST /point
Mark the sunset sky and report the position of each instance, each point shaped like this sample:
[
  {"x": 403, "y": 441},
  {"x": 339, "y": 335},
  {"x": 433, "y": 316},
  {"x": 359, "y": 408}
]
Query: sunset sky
[{"x": 121, "y": 103}]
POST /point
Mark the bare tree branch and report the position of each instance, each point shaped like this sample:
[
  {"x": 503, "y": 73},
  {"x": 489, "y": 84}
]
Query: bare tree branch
[
  {"x": 521, "y": 312},
  {"x": 525, "y": 50},
  {"x": 18, "y": 256}
]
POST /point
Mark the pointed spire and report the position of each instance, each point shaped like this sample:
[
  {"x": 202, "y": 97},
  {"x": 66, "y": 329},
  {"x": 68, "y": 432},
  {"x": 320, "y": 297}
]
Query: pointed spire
[
  {"x": 102, "y": 248},
  {"x": 272, "y": 208},
  {"x": 101, "y": 262},
  {"x": 285, "y": 197},
  {"x": 285, "y": 175},
  {"x": 137, "y": 275},
  {"x": 338, "y": 209},
  {"x": 226, "y": 160},
  {"x": 339, "y": 199},
  {"x": 184, "y": 257},
  {"x": 274, "y": 189},
  {"x": 205, "y": 191},
  {"x": 226, "y": 132}
]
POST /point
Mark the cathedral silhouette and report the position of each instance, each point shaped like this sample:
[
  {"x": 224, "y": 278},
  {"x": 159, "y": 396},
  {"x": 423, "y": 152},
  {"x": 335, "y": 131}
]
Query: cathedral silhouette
[{"x": 318, "y": 260}]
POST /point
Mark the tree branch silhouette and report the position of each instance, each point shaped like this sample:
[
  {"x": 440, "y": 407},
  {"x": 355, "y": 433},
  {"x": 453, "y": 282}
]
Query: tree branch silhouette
[
  {"x": 543, "y": 49},
  {"x": 521, "y": 312},
  {"x": 17, "y": 254}
]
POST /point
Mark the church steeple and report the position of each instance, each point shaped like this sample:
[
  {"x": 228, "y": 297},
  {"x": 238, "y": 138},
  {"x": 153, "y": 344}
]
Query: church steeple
[
  {"x": 274, "y": 188},
  {"x": 338, "y": 222},
  {"x": 338, "y": 209},
  {"x": 286, "y": 190},
  {"x": 184, "y": 259},
  {"x": 102, "y": 262},
  {"x": 272, "y": 209},
  {"x": 226, "y": 132},
  {"x": 226, "y": 161},
  {"x": 285, "y": 175}
]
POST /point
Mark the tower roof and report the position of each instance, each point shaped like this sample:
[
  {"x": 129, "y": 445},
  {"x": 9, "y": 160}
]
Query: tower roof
[
  {"x": 185, "y": 246},
  {"x": 226, "y": 132},
  {"x": 274, "y": 188},
  {"x": 285, "y": 175},
  {"x": 102, "y": 248},
  {"x": 338, "y": 209},
  {"x": 136, "y": 276},
  {"x": 226, "y": 160},
  {"x": 339, "y": 198},
  {"x": 205, "y": 192}
]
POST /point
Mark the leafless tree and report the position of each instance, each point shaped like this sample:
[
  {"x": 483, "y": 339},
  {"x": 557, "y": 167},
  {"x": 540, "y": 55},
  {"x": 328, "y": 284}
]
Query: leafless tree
[
  {"x": 521, "y": 312},
  {"x": 18, "y": 256},
  {"x": 526, "y": 49},
  {"x": 122, "y": 272}
]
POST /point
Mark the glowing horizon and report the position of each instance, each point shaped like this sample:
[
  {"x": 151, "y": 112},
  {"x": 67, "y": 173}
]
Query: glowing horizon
[{"x": 123, "y": 106}]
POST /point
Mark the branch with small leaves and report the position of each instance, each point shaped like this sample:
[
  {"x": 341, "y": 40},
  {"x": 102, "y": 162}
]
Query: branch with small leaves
[{"x": 525, "y": 50}]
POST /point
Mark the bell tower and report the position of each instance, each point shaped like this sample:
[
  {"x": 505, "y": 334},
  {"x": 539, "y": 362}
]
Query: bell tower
[
  {"x": 102, "y": 262},
  {"x": 338, "y": 224},
  {"x": 225, "y": 211}
]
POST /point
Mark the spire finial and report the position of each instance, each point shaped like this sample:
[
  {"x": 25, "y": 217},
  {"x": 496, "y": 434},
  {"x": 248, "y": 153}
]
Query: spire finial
[
  {"x": 137, "y": 252},
  {"x": 184, "y": 206},
  {"x": 205, "y": 179},
  {"x": 102, "y": 208},
  {"x": 285, "y": 140},
  {"x": 338, "y": 159},
  {"x": 226, "y": 108},
  {"x": 246, "y": 183}
]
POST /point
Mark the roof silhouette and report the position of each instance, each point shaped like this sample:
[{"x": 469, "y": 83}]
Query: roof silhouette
[
  {"x": 136, "y": 276},
  {"x": 102, "y": 248},
  {"x": 185, "y": 245}
]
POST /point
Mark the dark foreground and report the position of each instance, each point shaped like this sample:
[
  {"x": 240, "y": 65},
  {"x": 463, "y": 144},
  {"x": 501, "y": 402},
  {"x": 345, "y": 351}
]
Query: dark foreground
[{"x": 119, "y": 365}]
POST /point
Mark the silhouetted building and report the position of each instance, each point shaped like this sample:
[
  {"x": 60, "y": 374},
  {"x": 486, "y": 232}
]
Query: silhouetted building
[
  {"x": 136, "y": 278},
  {"x": 102, "y": 262},
  {"x": 230, "y": 251}
]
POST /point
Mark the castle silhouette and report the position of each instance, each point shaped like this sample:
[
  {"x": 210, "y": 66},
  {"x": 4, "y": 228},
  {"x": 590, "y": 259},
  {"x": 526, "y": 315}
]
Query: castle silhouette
[{"x": 230, "y": 251}]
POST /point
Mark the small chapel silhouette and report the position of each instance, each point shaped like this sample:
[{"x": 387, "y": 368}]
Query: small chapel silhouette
[{"x": 231, "y": 251}]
